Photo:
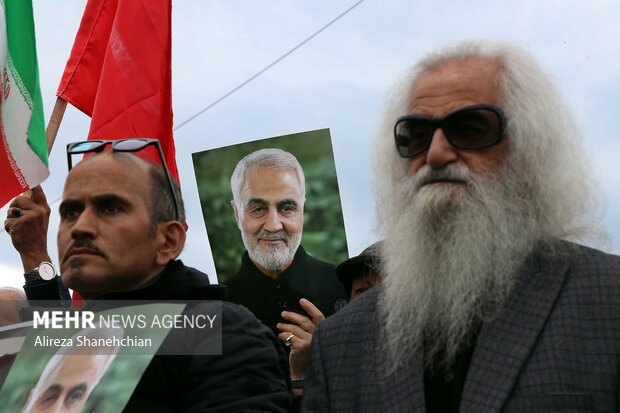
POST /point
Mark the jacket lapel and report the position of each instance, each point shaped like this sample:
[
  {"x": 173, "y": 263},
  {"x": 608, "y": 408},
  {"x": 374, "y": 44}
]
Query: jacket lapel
[
  {"x": 400, "y": 391},
  {"x": 505, "y": 343}
]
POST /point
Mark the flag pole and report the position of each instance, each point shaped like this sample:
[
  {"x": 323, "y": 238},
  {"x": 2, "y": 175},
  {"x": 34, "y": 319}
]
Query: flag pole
[{"x": 54, "y": 124}]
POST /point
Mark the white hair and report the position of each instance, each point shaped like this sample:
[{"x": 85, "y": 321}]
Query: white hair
[
  {"x": 95, "y": 334},
  {"x": 103, "y": 354},
  {"x": 447, "y": 268},
  {"x": 544, "y": 139},
  {"x": 265, "y": 158}
]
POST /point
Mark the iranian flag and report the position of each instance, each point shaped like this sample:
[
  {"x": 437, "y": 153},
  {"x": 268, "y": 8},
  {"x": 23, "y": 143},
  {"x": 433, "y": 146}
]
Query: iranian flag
[{"x": 23, "y": 146}]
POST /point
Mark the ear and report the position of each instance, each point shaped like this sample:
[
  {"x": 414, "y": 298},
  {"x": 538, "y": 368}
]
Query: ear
[
  {"x": 236, "y": 212},
  {"x": 171, "y": 236}
]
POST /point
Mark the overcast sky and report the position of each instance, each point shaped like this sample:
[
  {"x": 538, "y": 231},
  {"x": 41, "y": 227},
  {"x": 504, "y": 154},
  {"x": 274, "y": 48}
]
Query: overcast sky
[{"x": 337, "y": 80}]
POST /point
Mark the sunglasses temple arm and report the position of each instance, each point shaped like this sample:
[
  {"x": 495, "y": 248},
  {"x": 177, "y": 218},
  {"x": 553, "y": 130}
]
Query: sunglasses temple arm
[
  {"x": 69, "y": 162},
  {"x": 165, "y": 166}
]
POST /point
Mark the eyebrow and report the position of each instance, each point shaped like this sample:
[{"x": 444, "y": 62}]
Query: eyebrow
[
  {"x": 53, "y": 388},
  {"x": 104, "y": 199},
  {"x": 69, "y": 204},
  {"x": 286, "y": 203},
  {"x": 98, "y": 200},
  {"x": 282, "y": 204},
  {"x": 257, "y": 201}
]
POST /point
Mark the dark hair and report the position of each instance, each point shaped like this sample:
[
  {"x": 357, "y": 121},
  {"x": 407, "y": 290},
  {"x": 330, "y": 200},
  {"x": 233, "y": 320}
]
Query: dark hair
[{"x": 161, "y": 206}]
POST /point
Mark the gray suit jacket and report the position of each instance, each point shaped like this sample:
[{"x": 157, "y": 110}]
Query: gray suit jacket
[{"x": 554, "y": 347}]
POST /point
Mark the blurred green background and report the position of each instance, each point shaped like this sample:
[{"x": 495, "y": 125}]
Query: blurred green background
[{"x": 323, "y": 236}]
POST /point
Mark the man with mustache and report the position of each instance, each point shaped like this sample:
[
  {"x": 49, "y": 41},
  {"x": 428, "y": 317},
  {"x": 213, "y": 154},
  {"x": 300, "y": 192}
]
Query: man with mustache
[
  {"x": 269, "y": 194},
  {"x": 486, "y": 305},
  {"x": 121, "y": 231},
  {"x": 286, "y": 288}
]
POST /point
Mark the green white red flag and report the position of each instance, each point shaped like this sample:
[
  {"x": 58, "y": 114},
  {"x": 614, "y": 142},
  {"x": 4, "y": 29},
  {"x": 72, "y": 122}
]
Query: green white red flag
[{"x": 23, "y": 146}]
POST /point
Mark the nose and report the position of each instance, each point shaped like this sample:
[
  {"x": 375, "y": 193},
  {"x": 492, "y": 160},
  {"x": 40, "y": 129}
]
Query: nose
[
  {"x": 273, "y": 222},
  {"x": 85, "y": 225},
  {"x": 440, "y": 153}
]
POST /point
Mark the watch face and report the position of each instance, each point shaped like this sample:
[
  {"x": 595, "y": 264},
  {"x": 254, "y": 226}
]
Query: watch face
[{"x": 46, "y": 271}]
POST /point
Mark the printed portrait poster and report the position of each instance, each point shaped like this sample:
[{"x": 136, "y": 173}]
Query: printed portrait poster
[
  {"x": 323, "y": 234},
  {"x": 12, "y": 338},
  {"x": 83, "y": 369}
]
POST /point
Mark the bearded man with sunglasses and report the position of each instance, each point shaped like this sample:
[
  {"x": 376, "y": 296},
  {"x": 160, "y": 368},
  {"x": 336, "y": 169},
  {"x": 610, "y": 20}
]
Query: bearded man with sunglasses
[
  {"x": 486, "y": 306},
  {"x": 121, "y": 231}
]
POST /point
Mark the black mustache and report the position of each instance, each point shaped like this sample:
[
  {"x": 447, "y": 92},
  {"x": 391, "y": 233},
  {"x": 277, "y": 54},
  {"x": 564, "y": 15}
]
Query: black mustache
[{"x": 87, "y": 245}]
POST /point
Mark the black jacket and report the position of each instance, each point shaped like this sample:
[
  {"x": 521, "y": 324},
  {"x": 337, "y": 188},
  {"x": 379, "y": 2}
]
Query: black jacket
[
  {"x": 250, "y": 375},
  {"x": 306, "y": 277}
]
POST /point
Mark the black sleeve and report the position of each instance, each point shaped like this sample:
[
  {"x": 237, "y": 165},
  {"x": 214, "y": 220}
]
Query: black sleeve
[
  {"x": 52, "y": 290},
  {"x": 251, "y": 375}
]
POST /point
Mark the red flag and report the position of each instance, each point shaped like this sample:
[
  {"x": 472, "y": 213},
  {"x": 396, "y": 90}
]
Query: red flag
[{"x": 119, "y": 71}]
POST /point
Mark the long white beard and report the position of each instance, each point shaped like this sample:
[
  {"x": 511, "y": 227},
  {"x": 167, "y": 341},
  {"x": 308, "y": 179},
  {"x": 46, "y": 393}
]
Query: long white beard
[{"x": 451, "y": 256}]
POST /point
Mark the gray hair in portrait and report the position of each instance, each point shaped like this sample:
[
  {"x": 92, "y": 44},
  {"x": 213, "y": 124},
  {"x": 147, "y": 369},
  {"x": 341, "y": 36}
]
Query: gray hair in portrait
[{"x": 264, "y": 158}]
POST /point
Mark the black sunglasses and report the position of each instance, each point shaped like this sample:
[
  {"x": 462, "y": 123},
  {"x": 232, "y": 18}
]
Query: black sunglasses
[
  {"x": 471, "y": 127},
  {"x": 123, "y": 145}
]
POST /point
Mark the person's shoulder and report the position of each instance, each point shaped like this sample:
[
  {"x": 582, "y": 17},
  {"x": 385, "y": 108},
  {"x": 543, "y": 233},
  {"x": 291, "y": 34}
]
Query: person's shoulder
[
  {"x": 352, "y": 329},
  {"x": 592, "y": 262},
  {"x": 198, "y": 283},
  {"x": 198, "y": 277},
  {"x": 358, "y": 313},
  {"x": 592, "y": 275}
]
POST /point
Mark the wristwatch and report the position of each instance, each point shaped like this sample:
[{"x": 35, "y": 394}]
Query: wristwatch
[{"x": 45, "y": 271}]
